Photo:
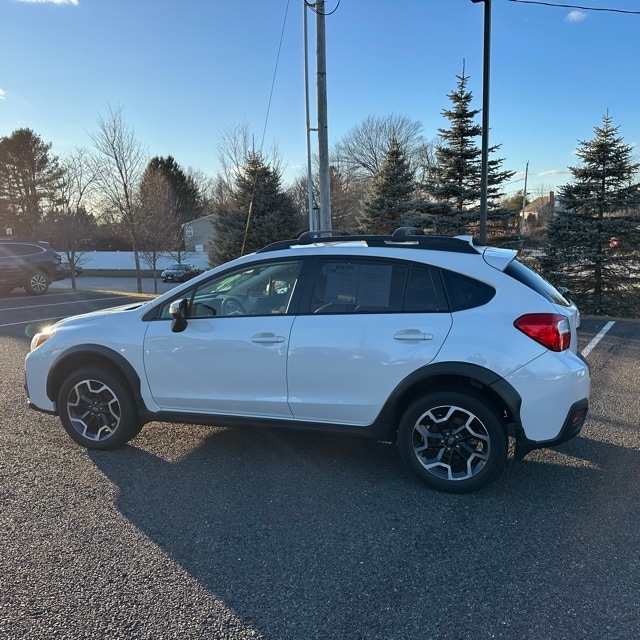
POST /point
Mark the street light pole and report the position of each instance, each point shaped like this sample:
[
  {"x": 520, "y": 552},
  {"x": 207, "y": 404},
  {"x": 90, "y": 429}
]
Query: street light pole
[{"x": 485, "y": 119}]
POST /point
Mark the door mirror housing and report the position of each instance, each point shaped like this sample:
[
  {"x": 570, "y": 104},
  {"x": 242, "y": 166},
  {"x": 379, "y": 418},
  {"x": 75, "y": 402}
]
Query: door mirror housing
[{"x": 179, "y": 312}]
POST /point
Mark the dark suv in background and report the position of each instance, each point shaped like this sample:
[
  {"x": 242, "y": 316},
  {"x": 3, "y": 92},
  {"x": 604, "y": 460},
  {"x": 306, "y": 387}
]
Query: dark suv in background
[{"x": 30, "y": 264}]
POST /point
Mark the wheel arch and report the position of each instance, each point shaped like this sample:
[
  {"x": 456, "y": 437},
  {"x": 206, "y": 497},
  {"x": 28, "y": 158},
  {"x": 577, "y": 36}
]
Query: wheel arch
[
  {"x": 94, "y": 355},
  {"x": 446, "y": 375}
]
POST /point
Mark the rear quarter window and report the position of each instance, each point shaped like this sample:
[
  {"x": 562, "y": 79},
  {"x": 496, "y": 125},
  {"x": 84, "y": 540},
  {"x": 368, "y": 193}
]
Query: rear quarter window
[
  {"x": 464, "y": 292},
  {"x": 535, "y": 281}
]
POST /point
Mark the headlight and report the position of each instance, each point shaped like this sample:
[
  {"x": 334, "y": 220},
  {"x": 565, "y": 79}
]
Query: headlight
[{"x": 41, "y": 337}]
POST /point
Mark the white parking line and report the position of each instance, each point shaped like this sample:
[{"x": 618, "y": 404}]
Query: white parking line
[
  {"x": 589, "y": 348},
  {"x": 53, "y": 304},
  {"x": 36, "y": 320},
  {"x": 13, "y": 324}
]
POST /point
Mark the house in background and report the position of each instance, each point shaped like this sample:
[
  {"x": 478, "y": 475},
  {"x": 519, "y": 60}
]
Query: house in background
[
  {"x": 539, "y": 211},
  {"x": 198, "y": 234}
]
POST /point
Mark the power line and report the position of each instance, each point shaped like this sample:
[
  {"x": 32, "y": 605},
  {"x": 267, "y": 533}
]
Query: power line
[
  {"x": 264, "y": 130},
  {"x": 573, "y": 6},
  {"x": 275, "y": 71},
  {"x": 312, "y": 6}
]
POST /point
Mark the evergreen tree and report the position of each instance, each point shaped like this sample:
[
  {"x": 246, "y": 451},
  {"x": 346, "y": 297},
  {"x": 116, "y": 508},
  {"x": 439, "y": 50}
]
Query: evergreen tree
[
  {"x": 456, "y": 179},
  {"x": 189, "y": 200},
  {"x": 391, "y": 197},
  {"x": 593, "y": 241},
  {"x": 29, "y": 177},
  {"x": 260, "y": 212}
]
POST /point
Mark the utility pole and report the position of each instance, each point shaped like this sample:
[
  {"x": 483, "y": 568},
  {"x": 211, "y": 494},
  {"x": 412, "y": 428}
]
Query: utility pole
[
  {"x": 323, "y": 134},
  {"x": 485, "y": 119},
  {"x": 312, "y": 221},
  {"x": 524, "y": 198}
]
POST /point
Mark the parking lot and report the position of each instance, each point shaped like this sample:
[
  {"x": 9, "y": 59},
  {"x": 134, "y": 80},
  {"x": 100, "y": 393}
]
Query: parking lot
[{"x": 203, "y": 532}]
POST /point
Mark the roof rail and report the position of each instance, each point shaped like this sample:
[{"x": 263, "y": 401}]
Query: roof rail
[
  {"x": 403, "y": 238},
  {"x": 308, "y": 237},
  {"x": 403, "y": 232}
]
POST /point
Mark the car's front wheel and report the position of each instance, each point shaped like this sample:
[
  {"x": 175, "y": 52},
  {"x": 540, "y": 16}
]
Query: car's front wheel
[
  {"x": 37, "y": 283},
  {"x": 97, "y": 409},
  {"x": 454, "y": 440}
]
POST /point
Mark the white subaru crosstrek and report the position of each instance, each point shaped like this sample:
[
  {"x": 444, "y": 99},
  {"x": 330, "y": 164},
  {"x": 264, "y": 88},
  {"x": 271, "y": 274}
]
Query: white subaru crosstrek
[{"x": 435, "y": 343}]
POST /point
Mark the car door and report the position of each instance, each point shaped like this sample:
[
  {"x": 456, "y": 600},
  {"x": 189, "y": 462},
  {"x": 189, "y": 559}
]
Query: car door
[
  {"x": 369, "y": 324},
  {"x": 231, "y": 358}
]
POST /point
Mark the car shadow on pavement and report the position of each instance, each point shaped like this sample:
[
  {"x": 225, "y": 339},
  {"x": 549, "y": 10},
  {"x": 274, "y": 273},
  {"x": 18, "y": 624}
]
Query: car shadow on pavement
[{"x": 307, "y": 537}]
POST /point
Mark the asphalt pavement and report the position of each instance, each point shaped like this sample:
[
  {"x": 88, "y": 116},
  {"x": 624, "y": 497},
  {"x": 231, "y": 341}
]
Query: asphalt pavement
[
  {"x": 209, "y": 533},
  {"x": 95, "y": 283}
]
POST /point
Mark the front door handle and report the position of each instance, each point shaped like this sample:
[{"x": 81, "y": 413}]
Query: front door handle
[
  {"x": 412, "y": 334},
  {"x": 267, "y": 338}
]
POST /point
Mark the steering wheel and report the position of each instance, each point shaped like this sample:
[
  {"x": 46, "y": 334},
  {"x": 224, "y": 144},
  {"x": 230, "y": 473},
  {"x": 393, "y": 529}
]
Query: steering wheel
[{"x": 232, "y": 307}]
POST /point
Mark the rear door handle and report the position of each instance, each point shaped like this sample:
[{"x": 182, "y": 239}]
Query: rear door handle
[
  {"x": 267, "y": 338},
  {"x": 412, "y": 334}
]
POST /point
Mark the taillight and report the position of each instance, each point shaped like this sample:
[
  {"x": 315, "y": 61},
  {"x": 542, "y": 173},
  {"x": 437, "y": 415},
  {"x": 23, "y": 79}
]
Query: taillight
[{"x": 551, "y": 330}]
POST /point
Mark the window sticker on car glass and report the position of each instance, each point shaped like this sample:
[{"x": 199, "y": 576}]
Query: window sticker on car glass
[
  {"x": 362, "y": 284},
  {"x": 342, "y": 283},
  {"x": 374, "y": 286}
]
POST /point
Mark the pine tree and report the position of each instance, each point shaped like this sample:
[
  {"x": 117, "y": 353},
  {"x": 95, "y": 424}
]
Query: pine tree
[
  {"x": 260, "y": 212},
  {"x": 392, "y": 193},
  {"x": 29, "y": 177},
  {"x": 456, "y": 181},
  {"x": 187, "y": 194},
  {"x": 593, "y": 241}
]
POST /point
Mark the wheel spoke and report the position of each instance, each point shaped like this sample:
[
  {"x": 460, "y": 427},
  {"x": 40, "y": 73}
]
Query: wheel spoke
[
  {"x": 451, "y": 442},
  {"x": 93, "y": 409}
]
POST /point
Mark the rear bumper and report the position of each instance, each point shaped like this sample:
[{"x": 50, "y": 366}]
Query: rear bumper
[
  {"x": 555, "y": 392},
  {"x": 570, "y": 429}
]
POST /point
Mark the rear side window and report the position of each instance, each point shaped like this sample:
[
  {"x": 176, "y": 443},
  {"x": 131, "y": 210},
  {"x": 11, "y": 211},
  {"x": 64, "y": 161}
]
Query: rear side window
[
  {"x": 358, "y": 286},
  {"x": 464, "y": 292},
  {"x": 425, "y": 293},
  {"x": 19, "y": 249},
  {"x": 535, "y": 281}
]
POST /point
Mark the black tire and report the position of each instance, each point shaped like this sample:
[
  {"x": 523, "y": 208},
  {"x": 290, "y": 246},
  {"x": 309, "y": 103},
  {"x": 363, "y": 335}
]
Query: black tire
[
  {"x": 37, "y": 283},
  {"x": 453, "y": 439},
  {"x": 97, "y": 409}
]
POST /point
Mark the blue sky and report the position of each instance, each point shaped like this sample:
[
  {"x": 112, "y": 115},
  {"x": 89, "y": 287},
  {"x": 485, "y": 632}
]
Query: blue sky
[{"x": 185, "y": 70}]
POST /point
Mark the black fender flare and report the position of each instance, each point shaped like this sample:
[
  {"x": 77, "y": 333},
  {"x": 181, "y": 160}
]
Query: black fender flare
[
  {"x": 119, "y": 362},
  {"x": 450, "y": 371}
]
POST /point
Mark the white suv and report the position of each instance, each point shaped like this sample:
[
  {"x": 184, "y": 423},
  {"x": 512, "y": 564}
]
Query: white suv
[{"x": 436, "y": 343}]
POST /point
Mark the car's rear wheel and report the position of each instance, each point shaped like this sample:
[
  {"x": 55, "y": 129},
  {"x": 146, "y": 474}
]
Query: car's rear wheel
[
  {"x": 97, "y": 409},
  {"x": 37, "y": 283},
  {"x": 454, "y": 440}
]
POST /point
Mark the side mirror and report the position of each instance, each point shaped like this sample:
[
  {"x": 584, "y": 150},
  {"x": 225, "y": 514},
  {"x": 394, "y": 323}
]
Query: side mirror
[{"x": 179, "y": 311}]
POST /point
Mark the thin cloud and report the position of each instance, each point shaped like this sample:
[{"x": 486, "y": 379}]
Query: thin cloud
[
  {"x": 75, "y": 3},
  {"x": 555, "y": 172},
  {"x": 576, "y": 16},
  {"x": 3, "y": 93}
]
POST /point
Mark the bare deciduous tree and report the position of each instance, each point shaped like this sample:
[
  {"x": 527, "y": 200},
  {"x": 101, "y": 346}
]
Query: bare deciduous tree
[
  {"x": 363, "y": 148},
  {"x": 121, "y": 160},
  {"x": 237, "y": 143},
  {"x": 76, "y": 188},
  {"x": 157, "y": 206}
]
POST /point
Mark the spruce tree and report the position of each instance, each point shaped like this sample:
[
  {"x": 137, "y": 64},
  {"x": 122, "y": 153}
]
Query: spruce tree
[
  {"x": 392, "y": 193},
  {"x": 260, "y": 212},
  {"x": 456, "y": 179},
  {"x": 593, "y": 241}
]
